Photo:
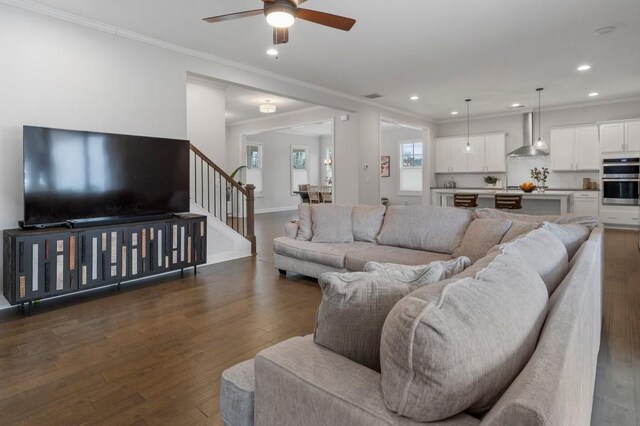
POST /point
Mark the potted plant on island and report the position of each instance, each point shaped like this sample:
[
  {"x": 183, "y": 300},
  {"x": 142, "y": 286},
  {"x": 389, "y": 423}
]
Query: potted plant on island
[
  {"x": 490, "y": 180},
  {"x": 540, "y": 176}
]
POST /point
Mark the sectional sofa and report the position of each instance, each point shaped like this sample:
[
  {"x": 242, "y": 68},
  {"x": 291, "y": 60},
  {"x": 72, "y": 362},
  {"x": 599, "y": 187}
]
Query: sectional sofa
[{"x": 512, "y": 339}]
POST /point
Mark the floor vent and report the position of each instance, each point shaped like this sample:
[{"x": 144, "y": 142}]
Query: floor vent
[{"x": 374, "y": 96}]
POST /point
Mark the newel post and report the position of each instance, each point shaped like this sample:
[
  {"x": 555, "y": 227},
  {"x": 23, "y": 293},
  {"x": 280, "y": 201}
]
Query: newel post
[{"x": 251, "y": 217}]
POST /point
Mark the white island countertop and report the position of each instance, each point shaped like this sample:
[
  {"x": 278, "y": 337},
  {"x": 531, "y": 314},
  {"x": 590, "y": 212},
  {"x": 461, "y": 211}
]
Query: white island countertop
[{"x": 563, "y": 199}]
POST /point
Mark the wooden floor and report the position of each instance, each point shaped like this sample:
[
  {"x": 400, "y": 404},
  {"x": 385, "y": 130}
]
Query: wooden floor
[{"x": 153, "y": 352}]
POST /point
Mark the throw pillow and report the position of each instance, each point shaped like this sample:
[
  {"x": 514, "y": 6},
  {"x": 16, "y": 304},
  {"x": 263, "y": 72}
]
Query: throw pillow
[
  {"x": 456, "y": 345},
  {"x": 437, "y": 229},
  {"x": 518, "y": 228},
  {"x": 367, "y": 221},
  {"x": 305, "y": 232},
  {"x": 444, "y": 269},
  {"x": 589, "y": 221},
  {"x": 572, "y": 235},
  {"x": 331, "y": 223},
  {"x": 354, "y": 306},
  {"x": 481, "y": 236}
]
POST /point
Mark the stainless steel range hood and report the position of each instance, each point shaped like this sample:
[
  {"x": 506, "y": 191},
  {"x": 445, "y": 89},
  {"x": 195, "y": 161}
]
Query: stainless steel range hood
[{"x": 527, "y": 149}]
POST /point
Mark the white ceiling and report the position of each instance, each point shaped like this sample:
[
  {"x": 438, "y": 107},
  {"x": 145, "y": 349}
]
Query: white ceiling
[
  {"x": 494, "y": 51},
  {"x": 317, "y": 129},
  {"x": 243, "y": 104}
]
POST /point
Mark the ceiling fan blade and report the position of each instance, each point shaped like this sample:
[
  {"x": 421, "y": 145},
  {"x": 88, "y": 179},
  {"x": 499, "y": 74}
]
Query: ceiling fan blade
[
  {"x": 326, "y": 19},
  {"x": 237, "y": 15},
  {"x": 280, "y": 36}
]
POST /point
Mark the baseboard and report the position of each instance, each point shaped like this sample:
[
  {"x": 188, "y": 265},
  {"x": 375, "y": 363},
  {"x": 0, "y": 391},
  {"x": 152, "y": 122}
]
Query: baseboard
[{"x": 276, "y": 209}]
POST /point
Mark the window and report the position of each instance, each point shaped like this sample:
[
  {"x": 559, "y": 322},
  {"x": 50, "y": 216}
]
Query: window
[
  {"x": 253, "y": 161},
  {"x": 299, "y": 167},
  {"x": 411, "y": 161}
]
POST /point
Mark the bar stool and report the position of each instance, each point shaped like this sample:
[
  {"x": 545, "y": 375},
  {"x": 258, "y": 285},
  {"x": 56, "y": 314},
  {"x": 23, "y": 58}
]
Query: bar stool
[
  {"x": 465, "y": 200},
  {"x": 508, "y": 201}
]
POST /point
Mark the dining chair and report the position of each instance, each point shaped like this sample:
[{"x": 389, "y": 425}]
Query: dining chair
[
  {"x": 508, "y": 201},
  {"x": 465, "y": 200},
  {"x": 325, "y": 194},
  {"x": 314, "y": 194}
]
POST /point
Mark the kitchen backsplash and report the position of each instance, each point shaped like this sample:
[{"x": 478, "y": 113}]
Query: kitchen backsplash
[{"x": 520, "y": 171}]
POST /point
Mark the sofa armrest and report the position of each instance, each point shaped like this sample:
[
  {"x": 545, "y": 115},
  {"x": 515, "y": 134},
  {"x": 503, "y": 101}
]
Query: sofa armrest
[
  {"x": 299, "y": 382},
  {"x": 291, "y": 230}
]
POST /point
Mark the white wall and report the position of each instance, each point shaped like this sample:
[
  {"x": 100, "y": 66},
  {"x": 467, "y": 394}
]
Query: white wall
[
  {"x": 390, "y": 186},
  {"x": 205, "y": 119},
  {"x": 512, "y": 124},
  {"x": 276, "y": 169}
]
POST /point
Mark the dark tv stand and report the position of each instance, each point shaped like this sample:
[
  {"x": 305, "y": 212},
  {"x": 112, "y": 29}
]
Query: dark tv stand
[{"x": 44, "y": 263}]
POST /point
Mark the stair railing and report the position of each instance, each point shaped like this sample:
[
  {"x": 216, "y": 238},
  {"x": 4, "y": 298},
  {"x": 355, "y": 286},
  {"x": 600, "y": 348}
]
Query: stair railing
[{"x": 217, "y": 193}]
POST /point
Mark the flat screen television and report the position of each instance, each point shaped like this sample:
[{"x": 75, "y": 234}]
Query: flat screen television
[{"x": 77, "y": 176}]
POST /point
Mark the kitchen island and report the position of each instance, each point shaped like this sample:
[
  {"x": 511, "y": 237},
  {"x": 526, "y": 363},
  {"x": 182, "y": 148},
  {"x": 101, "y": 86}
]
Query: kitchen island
[{"x": 548, "y": 202}]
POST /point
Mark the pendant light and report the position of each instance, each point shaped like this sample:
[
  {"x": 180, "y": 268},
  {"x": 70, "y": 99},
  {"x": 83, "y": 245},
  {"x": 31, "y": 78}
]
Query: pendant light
[
  {"x": 468, "y": 147},
  {"x": 540, "y": 144},
  {"x": 268, "y": 107}
]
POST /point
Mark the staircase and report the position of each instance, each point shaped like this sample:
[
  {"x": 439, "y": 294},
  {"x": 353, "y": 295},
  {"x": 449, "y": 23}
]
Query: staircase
[{"x": 229, "y": 206}]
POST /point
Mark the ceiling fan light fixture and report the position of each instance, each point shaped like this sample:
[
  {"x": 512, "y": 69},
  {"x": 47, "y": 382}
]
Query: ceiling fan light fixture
[
  {"x": 280, "y": 16},
  {"x": 268, "y": 107}
]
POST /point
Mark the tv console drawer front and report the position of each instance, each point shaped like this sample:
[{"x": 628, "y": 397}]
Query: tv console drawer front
[
  {"x": 101, "y": 256},
  {"x": 45, "y": 266}
]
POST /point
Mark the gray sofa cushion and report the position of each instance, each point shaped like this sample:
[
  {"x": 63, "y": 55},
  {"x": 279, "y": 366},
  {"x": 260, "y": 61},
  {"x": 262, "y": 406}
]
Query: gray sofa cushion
[
  {"x": 305, "y": 233},
  {"x": 545, "y": 252},
  {"x": 481, "y": 236},
  {"x": 237, "y": 392},
  {"x": 585, "y": 220},
  {"x": 572, "y": 235},
  {"x": 518, "y": 228},
  {"x": 409, "y": 273},
  {"x": 456, "y": 345},
  {"x": 367, "y": 221},
  {"x": 355, "y": 305},
  {"x": 501, "y": 214},
  {"x": 437, "y": 229},
  {"x": 330, "y": 254},
  {"x": 356, "y": 260},
  {"x": 331, "y": 223}
]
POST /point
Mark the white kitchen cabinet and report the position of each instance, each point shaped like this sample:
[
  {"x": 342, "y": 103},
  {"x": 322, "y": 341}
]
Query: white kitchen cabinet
[
  {"x": 586, "y": 146},
  {"x": 494, "y": 153},
  {"x": 574, "y": 148},
  {"x": 612, "y": 137},
  {"x": 586, "y": 203},
  {"x": 620, "y": 215},
  {"x": 475, "y": 157},
  {"x": 487, "y": 154},
  {"x": 632, "y": 135},
  {"x": 458, "y": 155}
]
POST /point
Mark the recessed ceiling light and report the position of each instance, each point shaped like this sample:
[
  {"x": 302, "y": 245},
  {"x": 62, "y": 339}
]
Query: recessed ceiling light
[
  {"x": 454, "y": 112},
  {"x": 272, "y": 52},
  {"x": 414, "y": 98},
  {"x": 584, "y": 67},
  {"x": 593, "y": 94},
  {"x": 516, "y": 105}
]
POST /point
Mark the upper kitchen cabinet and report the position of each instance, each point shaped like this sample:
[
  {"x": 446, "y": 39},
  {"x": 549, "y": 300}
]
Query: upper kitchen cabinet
[
  {"x": 574, "y": 148},
  {"x": 620, "y": 136},
  {"x": 487, "y": 154}
]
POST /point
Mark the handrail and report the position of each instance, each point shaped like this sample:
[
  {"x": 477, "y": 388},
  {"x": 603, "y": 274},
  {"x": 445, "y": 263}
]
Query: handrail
[
  {"x": 223, "y": 197},
  {"x": 218, "y": 169}
]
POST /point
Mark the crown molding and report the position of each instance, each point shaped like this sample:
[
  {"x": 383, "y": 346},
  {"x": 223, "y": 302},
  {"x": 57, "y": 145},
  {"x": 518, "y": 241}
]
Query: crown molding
[
  {"x": 277, "y": 115},
  {"x": 521, "y": 111},
  {"x": 131, "y": 35}
]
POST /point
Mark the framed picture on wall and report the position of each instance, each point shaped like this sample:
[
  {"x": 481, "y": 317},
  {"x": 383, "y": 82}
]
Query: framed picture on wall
[{"x": 385, "y": 166}]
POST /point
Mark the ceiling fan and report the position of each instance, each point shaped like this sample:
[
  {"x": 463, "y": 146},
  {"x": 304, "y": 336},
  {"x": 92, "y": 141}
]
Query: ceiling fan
[{"x": 281, "y": 14}]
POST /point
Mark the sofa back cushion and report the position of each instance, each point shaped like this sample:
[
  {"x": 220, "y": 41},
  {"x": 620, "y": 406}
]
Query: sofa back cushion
[
  {"x": 481, "y": 236},
  {"x": 305, "y": 233},
  {"x": 572, "y": 235},
  {"x": 438, "y": 229},
  {"x": 354, "y": 305},
  {"x": 501, "y": 214},
  {"x": 545, "y": 253},
  {"x": 331, "y": 223},
  {"x": 519, "y": 227},
  {"x": 457, "y": 345},
  {"x": 366, "y": 222}
]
